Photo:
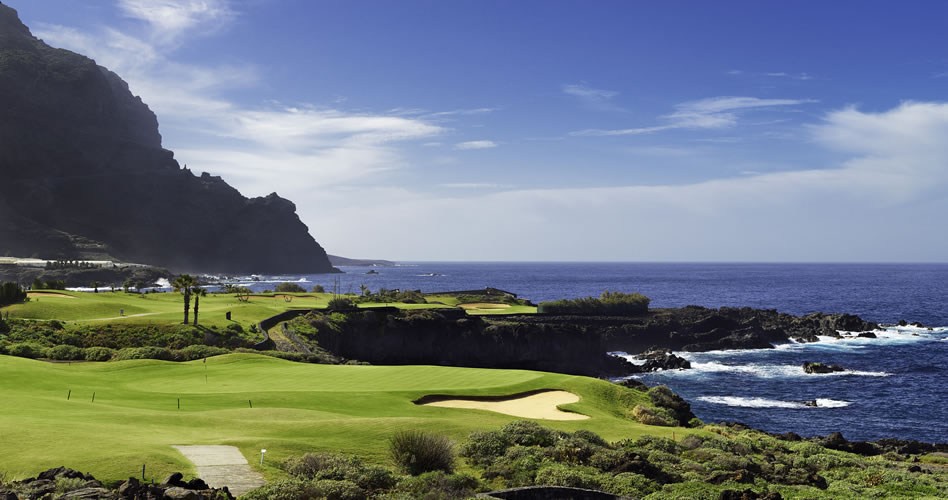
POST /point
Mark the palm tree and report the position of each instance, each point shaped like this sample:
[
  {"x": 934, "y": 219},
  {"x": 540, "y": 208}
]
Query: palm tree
[
  {"x": 184, "y": 284},
  {"x": 95, "y": 286},
  {"x": 198, "y": 292},
  {"x": 128, "y": 284}
]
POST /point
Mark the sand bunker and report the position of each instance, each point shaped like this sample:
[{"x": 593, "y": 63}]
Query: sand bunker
[
  {"x": 533, "y": 405},
  {"x": 484, "y": 305},
  {"x": 49, "y": 294}
]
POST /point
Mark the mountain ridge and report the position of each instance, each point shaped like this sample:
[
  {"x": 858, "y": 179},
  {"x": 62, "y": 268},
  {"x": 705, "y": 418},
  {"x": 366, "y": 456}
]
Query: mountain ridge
[{"x": 83, "y": 174}]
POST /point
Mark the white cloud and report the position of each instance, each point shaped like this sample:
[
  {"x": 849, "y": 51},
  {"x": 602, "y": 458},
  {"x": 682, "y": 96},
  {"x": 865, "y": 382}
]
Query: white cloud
[
  {"x": 170, "y": 18},
  {"x": 597, "y": 99},
  {"x": 792, "y": 76},
  {"x": 585, "y": 92},
  {"x": 882, "y": 204},
  {"x": 711, "y": 113},
  {"x": 475, "y": 145},
  {"x": 312, "y": 145},
  {"x": 475, "y": 185}
]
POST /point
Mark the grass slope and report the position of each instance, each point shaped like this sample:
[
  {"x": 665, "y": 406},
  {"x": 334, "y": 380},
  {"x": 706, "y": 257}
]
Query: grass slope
[
  {"x": 297, "y": 408},
  {"x": 169, "y": 307}
]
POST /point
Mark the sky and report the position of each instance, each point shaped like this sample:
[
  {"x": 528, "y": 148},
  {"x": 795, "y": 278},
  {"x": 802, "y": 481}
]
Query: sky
[{"x": 489, "y": 130}]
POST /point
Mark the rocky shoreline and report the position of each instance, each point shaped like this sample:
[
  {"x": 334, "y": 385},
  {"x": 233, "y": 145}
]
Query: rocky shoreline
[
  {"x": 574, "y": 344},
  {"x": 68, "y": 484}
]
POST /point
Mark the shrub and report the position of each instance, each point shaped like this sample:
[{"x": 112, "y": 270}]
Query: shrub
[
  {"x": 416, "y": 452},
  {"x": 590, "y": 437},
  {"x": 608, "y": 303},
  {"x": 571, "y": 476},
  {"x": 630, "y": 484},
  {"x": 662, "y": 397},
  {"x": 340, "y": 303},
  {"x": 573, "y": 450},
  {"x": 320, "y": 466},
  {"x": 287, "y": 287},
  {"x": 318, "y": 289},
  {"x": 331, "y": 489},
  {"x": 99, "y": 354},
  {"x": 657, "y": 444},
  {"x": 527, "y": 433},
  {"x": 11, "y": 293},
  {"x": 27, "y": 350},
  {"x": 653, "y": 416},
  {"x": 147, "y": 352},
  {"x": 67, "y": 484},
  {"x": 518, "y": 466},
  {"x": 438, "y": 485},
  {"x": 286, "y": 489},
  {"x": 65, "y": 352},
  {"x": 482, "y": 448}
]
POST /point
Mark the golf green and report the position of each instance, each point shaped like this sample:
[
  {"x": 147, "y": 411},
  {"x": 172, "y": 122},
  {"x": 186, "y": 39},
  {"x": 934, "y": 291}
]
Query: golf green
[{"x": 50, "y": 418}]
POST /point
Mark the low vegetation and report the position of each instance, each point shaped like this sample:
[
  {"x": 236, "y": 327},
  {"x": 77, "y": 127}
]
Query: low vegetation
[
  {"x": 717, "y": 462},
  {"x": 609, "y": 303},
  {"x": 11, "y": 293}
]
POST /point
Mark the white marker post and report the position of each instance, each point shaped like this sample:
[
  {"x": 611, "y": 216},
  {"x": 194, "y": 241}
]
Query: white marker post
[{"x": 262, "y": 453}]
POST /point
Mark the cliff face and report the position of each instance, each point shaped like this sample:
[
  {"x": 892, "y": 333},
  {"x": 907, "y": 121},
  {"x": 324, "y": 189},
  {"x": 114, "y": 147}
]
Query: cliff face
[{"x": 83, "y": 175}]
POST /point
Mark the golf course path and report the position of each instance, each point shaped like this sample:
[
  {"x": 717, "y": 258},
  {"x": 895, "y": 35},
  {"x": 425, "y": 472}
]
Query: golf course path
[{"x": 221, "y": 466}]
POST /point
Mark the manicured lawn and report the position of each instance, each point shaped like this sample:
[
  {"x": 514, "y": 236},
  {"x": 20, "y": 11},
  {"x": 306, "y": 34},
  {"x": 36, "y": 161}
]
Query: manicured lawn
[
  {"x": 169, "y": 307},
  {"x": 297, "y": 408}
]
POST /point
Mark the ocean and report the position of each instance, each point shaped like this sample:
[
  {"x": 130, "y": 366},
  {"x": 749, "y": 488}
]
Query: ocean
[{"x": 894, "y": 386}]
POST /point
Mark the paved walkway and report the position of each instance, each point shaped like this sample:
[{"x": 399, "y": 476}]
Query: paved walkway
[{"x": 221, "y": 466}]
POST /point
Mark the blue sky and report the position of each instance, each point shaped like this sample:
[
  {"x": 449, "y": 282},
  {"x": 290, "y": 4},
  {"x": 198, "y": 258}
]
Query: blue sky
[{"x": 489, "y": 130}]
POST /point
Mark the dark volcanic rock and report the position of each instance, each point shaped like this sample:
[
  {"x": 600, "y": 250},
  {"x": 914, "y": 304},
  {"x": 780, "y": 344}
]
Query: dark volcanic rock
[
  {"x": 662, "y": 360},
  {"x": 85, "y": 176},
  {"x": 173, "y": 487},
  {"x": 812, "y": 368}
]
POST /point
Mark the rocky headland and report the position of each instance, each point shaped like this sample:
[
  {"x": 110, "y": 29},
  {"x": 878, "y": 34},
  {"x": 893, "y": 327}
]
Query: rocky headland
[
  {"x": 85, "y": 176},
  {"x": 564, "y": 344}
]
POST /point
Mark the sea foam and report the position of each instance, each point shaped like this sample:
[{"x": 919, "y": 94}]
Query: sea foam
[{"x": 771, "y": 403}]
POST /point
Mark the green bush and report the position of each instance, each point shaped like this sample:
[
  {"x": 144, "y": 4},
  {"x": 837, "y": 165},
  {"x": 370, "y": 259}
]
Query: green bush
[
  {"x": 438, "y": 486},
  {"x": 653, "y": 416},
  {"x": 528, "y": 433},
  {"x": 331, "y": 489},
  {"x": 286, "y": 489},
  {"x": 608, "y": 303},
  {"x": 27, "y": 350},
  {"x": 630, "y": 484},
  {"x": 573, "y": 450},
  {"x": 147, "y": 352},
  {"x": 416, "y": 452},
  {"x": 287, "y": 287},
  {"x": 662, "y": 397},
  {"x": 66, "y": 352},
  {"x": 575, "y": 477},
  {"x": 340, "y": 303},
  {"x": 320, "y": 466},
  {"x": 99, "y": 354},
  {"x": 482, "y": 447},
  {"x": 11, "y": 293}
]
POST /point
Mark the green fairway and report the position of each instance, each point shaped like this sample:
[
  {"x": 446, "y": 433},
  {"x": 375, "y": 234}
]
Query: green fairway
[
  {"x": 158, "y": 307},
  {"x": 169, "y": 307},
  {"x": 297, "y": 408}
]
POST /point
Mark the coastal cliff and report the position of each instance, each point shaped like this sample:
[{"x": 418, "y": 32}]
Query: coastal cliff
[
  {"x": 85, "y": 176},
  {"x": 565, "y": 344}
]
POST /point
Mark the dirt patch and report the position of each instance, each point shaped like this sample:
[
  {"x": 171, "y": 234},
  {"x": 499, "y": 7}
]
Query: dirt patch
[
  {"x": 484, "y": 305},
  {"x": 49, "y": 294},
  {"x": 536, "y": 404}
]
